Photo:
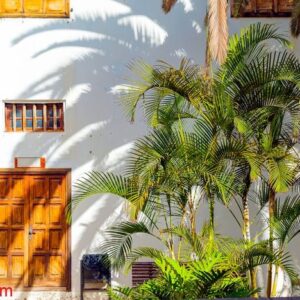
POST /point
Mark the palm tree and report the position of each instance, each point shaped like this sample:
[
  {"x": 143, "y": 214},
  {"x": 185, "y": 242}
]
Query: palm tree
[
  {"x": 253, "y": 87},
  {"x": 286, "y": 227},
  {"x": 277, "y": 133},
  {"x": 168, "y": 173},
  {"x": 282, "y": 164},
  {"x": 241, "y": 119},
  {"x": 228, "y": 100}
]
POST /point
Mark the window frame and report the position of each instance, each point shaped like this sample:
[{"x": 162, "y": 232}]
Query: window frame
[
  {"x": 10, "y": 111},
  {"x": 258, "y": 14},
  {"x": 62, "y": 15}
]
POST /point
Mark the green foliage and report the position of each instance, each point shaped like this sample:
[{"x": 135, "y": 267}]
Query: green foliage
[
  {"x": 212, "y": 139},
  {"x": 287, "y": 219},
  {"x": 164, "y": 90},
  {"x": 210, "y": 277}
]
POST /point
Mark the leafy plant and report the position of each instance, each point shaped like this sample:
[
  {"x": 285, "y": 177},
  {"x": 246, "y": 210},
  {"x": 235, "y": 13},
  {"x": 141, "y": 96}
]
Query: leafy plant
[
  {"x": 213, "y": 139},
  {"x": 215, "y": 273}
]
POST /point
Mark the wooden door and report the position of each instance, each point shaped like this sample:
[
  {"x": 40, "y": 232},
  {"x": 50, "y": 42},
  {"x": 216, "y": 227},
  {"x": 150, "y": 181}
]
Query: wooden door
[
  {"x": 33, "y": 231},
  {"x": 47, "y": 231},
  {"x": 13, "y": 231}
]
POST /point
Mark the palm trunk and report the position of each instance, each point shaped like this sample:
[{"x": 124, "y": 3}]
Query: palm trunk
[
  {"x": 212, "y": 213},
  {"x": 208, "y": 59},
  {"x": 207, "y": 55},
  {"x": 180, "y": 239},
  {"x": 192, "y": 214},
  {"x": 211, "y": 204},
  {"x": 246, "y": 213},
  {"x": 169, "y": 225},
  {"x": 246, "y": 227},
  {"x": 272, "y": 206},
  {"x": 274, "y": 288},
  {"x": 253, "y": 280},
  {"x": 218, "y": 29}
]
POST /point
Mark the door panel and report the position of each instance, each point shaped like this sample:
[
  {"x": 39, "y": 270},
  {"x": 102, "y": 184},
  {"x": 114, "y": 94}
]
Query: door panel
[
  {"x": 4, "y": 214},
  {"x": 18, "y": 214},
  {"x": 17, "y": 266},
  {"x": 33, "y": 231},
  {"x": 3, "y": 240},
  {"x": 56, "y": 267},
  {"x": 17, "y": 240},
  {"x": 3, "y": 267},
  {"x": 4, "y": 187}
]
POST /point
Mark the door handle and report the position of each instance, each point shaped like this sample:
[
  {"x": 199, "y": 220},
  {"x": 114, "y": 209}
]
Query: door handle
[{"x": 30, "y": 232}]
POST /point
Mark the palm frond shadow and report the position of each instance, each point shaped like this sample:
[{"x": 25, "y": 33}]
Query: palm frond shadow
[{"x": 87, "y": 78}]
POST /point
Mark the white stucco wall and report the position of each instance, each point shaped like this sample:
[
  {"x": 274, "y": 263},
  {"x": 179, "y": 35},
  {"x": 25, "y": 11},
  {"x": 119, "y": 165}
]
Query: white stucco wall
[{"x": 80, "y": 60}]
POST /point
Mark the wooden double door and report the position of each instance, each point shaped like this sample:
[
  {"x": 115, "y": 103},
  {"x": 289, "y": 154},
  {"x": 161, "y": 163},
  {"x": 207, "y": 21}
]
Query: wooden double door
[{"x": 33, "y": 231}]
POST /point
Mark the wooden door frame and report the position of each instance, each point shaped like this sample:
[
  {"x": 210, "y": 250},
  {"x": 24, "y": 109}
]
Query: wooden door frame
[{"x": 51, "y": 171}]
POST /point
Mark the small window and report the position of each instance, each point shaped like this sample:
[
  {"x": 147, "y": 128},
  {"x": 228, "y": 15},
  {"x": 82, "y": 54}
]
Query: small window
[
  {"x": 34, "y": 117},
  {"x": 263, "y": 8},
  {"x": 34, "y": 8}
]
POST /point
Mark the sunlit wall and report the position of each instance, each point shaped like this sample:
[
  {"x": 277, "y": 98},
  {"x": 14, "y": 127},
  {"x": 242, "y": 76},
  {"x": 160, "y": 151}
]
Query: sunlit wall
[{"x": 81, "y": 60}]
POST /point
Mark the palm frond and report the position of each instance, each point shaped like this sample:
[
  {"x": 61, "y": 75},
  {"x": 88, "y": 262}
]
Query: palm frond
[
  {"x": 261, "y": 195},
  {"x": 118, "y": 241},
  {"x": 163, "y": 84},
  {"x": 98, "y": 183},
  {"x": 287, "y": 219},
  {"x": 144, "y": 252},
  {"x": 135, "y": 192},
  {"x": 120, "y": 293},
  {"x": 248, "y": 46},
  {"x": 282, "y": 172},
  {"x": 190, "y": 244}
]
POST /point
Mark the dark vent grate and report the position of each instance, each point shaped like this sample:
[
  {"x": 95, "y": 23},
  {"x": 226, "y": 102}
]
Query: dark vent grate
[{"x": 143, "y": 271}]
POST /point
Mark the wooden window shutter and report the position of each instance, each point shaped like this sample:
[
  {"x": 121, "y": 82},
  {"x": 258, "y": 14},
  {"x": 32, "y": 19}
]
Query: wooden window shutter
[
  {"x": 251, "y": 7},
  {"x": 285, "y": 6},
  {"x": 143, "y": 271},
  {"x": 259, "y": 6},
  {"x": 10, "y": 6},
  {"x": 265, "y": 8},
  {"x": 35, "y": 8},
  {"x": 56, "y": 6},
  {"x": 9, "y": 117}
]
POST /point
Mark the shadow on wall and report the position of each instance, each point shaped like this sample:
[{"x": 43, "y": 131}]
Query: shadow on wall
[{"x": 80, "y": 60}]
